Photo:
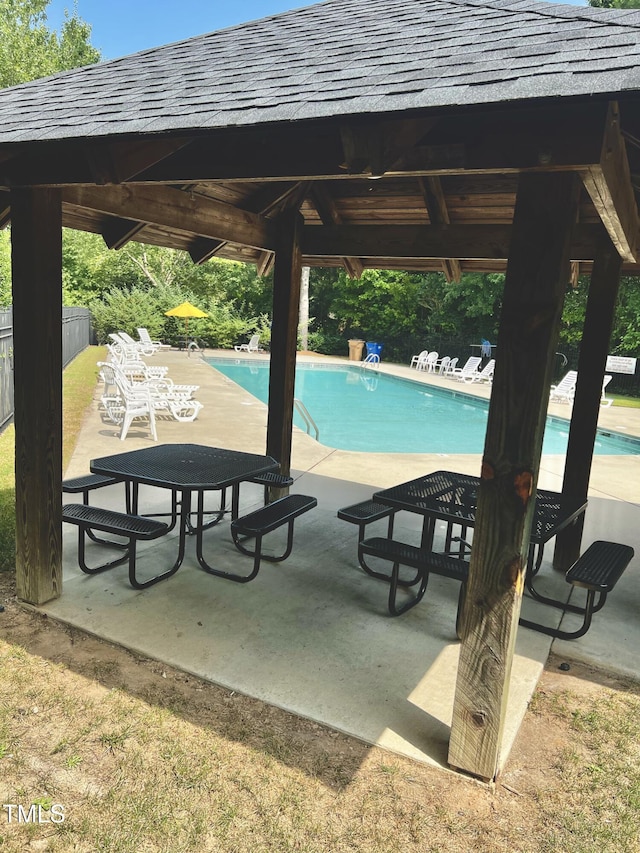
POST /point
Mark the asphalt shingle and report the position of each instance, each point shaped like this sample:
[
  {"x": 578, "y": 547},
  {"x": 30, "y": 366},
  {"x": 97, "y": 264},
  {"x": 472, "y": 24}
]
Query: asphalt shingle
[{"x": 339, "y": 57}]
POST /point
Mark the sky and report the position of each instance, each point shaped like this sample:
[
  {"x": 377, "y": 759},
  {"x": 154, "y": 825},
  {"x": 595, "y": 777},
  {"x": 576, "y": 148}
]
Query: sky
[{"x": 120, "y": 27}]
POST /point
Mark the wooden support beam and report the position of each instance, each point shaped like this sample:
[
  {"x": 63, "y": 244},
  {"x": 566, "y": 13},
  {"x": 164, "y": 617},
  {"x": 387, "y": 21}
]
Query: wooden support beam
[
  {"x": 435, "y": 202},
  {"x": 176, "y": 209},
  {"x": 97, "y": 162},
  {"x": 284, "y": 338},
  {"x": 482, "y": 242},
  {"x": 550, "y": 138},
  {"x": 566, "y": 138},
  {"x": 328, "y": 213},
  {"x": 202, "y": 250},
  {"x": 266, "y": 200},
  {"x": 535, "y": 284},
  {"x": 265, "y": 264},
  {"x": 5, "y": 209},
  {"x": 594, "y": 348},
  {"x": 118, "y": 232},
  {"x": 36, "y": 256},
  {"x": 451, "y": 269},
  {"x": 609, "y": 184},
  {"x": 574, "y": 275}
]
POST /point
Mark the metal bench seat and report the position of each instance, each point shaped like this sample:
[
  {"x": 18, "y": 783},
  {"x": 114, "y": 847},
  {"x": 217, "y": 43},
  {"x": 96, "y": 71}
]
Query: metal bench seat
[
  {"x": 402, "y": 554},
  {"x": 366, "y": 512},
  {"x": 257, "y": 524},
  {"x": 86, "y": 483},
  {"x": 598, "y": 570},
  {"x": 131, "y": 527}
]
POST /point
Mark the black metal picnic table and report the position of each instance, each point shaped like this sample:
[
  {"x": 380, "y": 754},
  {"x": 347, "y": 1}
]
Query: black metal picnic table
[
  {"x": 452, "y": 497},
  {"x": 185, "y": 469}
]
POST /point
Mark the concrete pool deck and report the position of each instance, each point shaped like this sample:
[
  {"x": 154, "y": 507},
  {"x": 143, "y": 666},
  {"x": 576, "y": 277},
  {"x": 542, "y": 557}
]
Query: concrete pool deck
[{"x": 311, "y": 635}]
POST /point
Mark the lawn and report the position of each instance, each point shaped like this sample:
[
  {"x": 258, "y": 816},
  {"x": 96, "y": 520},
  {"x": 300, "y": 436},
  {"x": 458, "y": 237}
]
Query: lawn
[{"x": 79, "y": 382}]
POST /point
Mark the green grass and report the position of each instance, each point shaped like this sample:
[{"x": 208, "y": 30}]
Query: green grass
[
  {"x": 79, "y": 381},
  {"x": 600, "y": 767},
  {"x": 625, "y": 402}
]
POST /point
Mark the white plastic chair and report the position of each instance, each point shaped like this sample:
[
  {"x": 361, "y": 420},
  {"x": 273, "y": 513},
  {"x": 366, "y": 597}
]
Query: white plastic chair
[
  {"x": 428, "y": 362},
  {"x": 416, "y": 358},
  {"x": 451, "y": 367},
  {"x": 605, "y": 401}
]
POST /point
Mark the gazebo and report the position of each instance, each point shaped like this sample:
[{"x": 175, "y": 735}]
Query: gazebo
[{"x": 455, "y": 136}]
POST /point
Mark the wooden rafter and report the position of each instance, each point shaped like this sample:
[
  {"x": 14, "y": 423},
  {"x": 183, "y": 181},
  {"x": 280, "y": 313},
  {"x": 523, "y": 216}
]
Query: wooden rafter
[
  {"x": 575, "y": 274},
  {"x": 269, "y": 199},
  {"x": 118, "y": 232},
  {"x": 435, "y": 202},
  {"x": 202, "y": 249},
  {"x": 5, "y": 210},
  {"x": 328, "y": 213},
  {"x": 265, "y": 263}
]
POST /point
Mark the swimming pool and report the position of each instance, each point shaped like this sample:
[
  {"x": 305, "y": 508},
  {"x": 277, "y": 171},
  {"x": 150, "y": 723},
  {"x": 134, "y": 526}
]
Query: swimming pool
[{"x": 360, "y": 409}]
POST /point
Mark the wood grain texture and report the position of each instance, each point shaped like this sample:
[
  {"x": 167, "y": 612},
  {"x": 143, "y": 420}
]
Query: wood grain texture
[
  {"x": 36, "y": 241},
  {"x": 287, "y": 272},
  {"x": 536, "y": 279}
]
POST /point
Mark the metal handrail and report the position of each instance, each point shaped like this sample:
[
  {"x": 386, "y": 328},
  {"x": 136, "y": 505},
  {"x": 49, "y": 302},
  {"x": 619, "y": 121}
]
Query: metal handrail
[{"x": 306, "y": 417}]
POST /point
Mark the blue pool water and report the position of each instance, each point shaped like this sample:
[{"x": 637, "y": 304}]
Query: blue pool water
[{"x": 359, "y": 409}]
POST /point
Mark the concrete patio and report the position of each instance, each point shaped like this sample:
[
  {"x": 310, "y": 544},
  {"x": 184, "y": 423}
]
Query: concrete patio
[{"x": 311, "y": 635}]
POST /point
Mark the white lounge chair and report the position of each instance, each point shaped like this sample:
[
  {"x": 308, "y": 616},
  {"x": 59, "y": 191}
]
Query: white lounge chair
[
  {"x": 565, "y": 390},
  {"x": 469, "y": 368},
  {"x": 145, "y": 339},
  {"x": 132, "y": 364},
  {"x": 122, "y": 402},
  {"x": 174, "y": 399},
  {"x": 605, "y": 401},
  {"x": 252, "y": 346},
  {"x": 484, "y": 375},
  {"x": 143, "y": 349}
]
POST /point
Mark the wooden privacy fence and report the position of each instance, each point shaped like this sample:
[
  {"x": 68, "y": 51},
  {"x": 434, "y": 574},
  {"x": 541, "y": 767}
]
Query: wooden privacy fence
[{"x": 77, "y": 333}]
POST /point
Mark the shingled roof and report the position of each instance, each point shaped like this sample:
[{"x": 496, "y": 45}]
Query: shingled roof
[{"x": 338, "y": 58}]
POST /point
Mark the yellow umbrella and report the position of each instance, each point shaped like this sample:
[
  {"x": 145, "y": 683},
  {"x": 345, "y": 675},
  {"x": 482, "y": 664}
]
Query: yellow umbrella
[{"x": 186, "y": 310}]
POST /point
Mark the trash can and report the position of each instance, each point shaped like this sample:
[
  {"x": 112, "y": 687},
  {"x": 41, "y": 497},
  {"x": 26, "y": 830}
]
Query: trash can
[
  {"x": 374, "y": 348},
  {"x": 355, "y": 349}
]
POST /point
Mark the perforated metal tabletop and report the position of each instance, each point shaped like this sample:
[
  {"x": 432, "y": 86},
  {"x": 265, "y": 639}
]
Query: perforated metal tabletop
[{"x": 184, "y": 467}]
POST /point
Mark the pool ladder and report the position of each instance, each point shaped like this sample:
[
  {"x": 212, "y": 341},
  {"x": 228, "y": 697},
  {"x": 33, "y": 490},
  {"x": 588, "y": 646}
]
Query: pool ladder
[{"x": 309, "y": 422}]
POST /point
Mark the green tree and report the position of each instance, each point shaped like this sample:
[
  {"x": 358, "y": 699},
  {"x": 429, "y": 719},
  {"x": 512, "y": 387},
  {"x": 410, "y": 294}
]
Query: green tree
[
  {"x": 29, "y": 49},
  {"x": 615, "y": 4}
]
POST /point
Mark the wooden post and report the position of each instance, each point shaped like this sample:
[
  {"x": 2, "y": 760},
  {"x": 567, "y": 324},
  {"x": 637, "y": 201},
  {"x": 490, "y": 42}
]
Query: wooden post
[
  {"x": 594, "y": 348},
  {"x": 537, "y": 275},
  {"x": 36, "y": 255},
  {"x": 284, "y": 337}
]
